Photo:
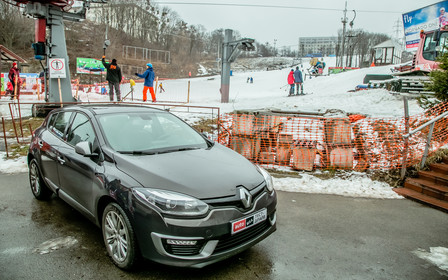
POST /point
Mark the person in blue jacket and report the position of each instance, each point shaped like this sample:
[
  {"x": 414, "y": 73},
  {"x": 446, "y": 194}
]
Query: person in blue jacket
[
  {"x": 298, "y": 80},
  {"x": 149, "y": 76}
]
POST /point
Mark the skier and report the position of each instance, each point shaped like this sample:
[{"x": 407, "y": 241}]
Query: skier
[
  {"x": 161, "y": 89},
  {"x": 291, "y": 82},
  {"x": 298, "y": 80},
  {"x": 149, "y": 76},
  {"x": 14, "y": 78},
  {"x": 113, "y": 77}
]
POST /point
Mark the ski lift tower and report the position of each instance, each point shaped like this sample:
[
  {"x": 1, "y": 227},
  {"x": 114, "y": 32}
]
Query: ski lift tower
[
  {"x": 230, "y": 51},
  {"x": 51, "y": 14}
]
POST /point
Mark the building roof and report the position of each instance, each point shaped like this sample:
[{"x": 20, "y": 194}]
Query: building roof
[
  {"x": 386, "y": 44},
  {"x": 9, "y": 56}
]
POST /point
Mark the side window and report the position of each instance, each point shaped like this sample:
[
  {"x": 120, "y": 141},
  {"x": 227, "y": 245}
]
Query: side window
[
  {"x": 60, "y": 123},
  {"x": 443, "y": 42},
  {"x": 81, "y": 130},
  {"x": 429, "y": 49}
]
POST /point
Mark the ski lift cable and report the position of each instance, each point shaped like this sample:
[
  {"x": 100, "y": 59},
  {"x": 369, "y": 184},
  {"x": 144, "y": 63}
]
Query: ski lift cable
[{"x": 267, "y": 6}]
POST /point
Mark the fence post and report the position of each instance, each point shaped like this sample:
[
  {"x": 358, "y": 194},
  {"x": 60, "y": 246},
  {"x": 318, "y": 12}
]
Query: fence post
[
  {"x": 4, "y": 135},
  {"x": 428, "y": 143},
  {"x": 406, "y": 140},
  {"x": 188, "y": 97}
]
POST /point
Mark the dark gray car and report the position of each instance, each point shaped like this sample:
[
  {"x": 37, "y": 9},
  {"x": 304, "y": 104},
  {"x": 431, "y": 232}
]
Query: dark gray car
[{"x": 157, "y": 188}]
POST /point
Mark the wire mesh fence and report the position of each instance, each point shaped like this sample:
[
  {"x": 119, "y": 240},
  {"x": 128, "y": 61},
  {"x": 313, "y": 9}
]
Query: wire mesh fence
[{"x": 306, "y": 141}]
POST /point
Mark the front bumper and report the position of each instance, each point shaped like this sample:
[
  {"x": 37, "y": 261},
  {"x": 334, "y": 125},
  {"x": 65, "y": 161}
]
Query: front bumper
[{"x": 200, "y": 242}]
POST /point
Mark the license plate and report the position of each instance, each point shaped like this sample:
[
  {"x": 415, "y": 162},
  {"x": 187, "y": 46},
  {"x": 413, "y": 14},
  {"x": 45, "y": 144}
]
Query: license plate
[{"x": 249, "y": 221}]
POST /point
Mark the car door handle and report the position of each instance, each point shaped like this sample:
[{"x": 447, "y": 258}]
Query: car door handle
[
  {"x": 61, "y": 160},
  {"x": 40, "y": 143}
]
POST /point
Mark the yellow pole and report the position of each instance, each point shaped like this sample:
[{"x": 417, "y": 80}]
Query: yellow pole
[
  {"x": 60, "y": 92},
  {"x": 155, "y": 88},
  {"x": 188, "y": 97}
]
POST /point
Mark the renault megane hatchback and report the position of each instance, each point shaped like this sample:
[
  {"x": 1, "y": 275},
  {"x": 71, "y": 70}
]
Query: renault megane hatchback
[{"x": 156, "y": 187}]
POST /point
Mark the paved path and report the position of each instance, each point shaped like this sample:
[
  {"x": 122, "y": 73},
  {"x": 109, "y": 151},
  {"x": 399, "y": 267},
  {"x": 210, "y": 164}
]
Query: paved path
[{"x": 318, "y": 237}]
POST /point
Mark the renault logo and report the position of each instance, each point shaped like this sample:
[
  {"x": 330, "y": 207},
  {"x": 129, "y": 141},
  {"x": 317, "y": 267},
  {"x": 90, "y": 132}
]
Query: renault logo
[{"x": 245, "y": 196}]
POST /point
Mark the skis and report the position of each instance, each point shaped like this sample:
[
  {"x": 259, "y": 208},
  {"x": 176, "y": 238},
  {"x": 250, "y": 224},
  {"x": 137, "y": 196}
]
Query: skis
[{"x": 300, "y": 94}]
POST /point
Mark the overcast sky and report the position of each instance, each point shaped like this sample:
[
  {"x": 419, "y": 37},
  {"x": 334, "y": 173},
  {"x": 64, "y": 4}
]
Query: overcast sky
[{"x": 299, "y": 18}]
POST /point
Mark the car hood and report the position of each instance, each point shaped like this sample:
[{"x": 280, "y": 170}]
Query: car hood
[{"x": 201, "y": 173}]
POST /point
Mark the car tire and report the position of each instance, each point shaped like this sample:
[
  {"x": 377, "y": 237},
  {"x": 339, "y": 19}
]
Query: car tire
[
  {"x": 119, "y": 237},
  {"x": 37, "y": 184}
]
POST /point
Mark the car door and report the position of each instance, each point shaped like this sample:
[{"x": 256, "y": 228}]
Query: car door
[
  {"x": 50, "y": 141},
  {"x": 77, "y": 173}
]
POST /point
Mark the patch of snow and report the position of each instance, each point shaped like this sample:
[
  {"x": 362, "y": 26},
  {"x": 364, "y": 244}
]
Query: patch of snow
[{"x": 437, "y": 256}]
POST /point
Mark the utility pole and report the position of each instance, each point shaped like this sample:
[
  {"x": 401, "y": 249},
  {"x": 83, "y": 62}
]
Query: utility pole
[
  {"x": 344, "y": 22},
  {"x": 230, "y": 51},
  {"x": 275, "y": 51}
]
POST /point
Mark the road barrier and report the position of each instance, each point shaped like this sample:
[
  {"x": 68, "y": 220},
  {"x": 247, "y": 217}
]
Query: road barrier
[{"x": 307, "y": 140}]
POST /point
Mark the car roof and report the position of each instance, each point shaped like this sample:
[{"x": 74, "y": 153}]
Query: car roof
[{"x": 99, "y": 109}]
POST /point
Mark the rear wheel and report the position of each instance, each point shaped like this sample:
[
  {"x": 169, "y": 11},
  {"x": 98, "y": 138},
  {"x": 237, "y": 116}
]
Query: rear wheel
[
  {"x": 38, "y": 186},
  {"x": 118, "y": 236}
]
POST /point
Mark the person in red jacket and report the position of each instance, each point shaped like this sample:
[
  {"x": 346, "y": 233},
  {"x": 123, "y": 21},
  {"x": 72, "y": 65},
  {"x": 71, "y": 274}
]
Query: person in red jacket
[
  {"x": 14, "y": 78},
  {"x": 291, "y": 82}
]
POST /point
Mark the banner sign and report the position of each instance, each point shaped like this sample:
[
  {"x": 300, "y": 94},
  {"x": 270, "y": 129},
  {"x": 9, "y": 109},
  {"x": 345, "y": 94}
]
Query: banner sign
[
  {"x": 427, "y": 18},
  {"x": 28, "y": 81},
  {"x": 89, "y": 66}
]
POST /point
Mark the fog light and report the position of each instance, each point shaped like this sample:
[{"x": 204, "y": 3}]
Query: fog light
[{"x": 181, "y": 242}]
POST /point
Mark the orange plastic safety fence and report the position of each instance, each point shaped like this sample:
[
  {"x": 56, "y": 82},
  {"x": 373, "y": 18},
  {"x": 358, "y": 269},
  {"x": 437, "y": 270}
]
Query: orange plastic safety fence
[{"x": 352, "y": 142}]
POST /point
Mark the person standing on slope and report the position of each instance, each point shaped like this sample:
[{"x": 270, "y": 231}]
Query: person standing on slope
[
  {"x": 14, "y": 78},
  {"x": 149, "y": 76},
  {"x": 291, "y": 82},
  {"x": 113, "y": 77},
  {"x": 298, "y": 80}
]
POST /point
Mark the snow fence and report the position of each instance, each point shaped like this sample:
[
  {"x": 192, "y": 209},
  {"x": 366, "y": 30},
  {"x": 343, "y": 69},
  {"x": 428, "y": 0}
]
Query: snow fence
[{"x": 307, "y": 140}]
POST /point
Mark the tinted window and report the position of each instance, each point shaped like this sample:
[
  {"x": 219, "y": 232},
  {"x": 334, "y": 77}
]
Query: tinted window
[
  {"x": 60, "y": 123},
  {"x": 81, "y": 130},
  {"x": 153, "y": 131}
]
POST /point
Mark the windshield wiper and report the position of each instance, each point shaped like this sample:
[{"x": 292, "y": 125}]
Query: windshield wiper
[
  {"x": 157, "y": 152},
  {"x": 137, "y": 152},
  {"x": 179, "y": 150}
]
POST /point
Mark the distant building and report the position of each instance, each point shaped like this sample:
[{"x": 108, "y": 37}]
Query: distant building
[
  {"x": 386, "y": 53},
  {"x": 317, "y": 45}
]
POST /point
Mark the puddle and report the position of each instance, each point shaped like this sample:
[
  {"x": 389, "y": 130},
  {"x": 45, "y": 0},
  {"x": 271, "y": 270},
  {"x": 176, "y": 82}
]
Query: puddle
[{"x": 55, "y": 244}]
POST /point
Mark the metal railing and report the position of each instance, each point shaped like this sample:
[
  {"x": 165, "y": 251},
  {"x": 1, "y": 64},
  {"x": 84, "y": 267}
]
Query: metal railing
[{"x": 430, "y": 123}]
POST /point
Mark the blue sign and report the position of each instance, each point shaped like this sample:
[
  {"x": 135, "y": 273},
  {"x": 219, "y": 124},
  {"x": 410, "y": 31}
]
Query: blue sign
[{"x": 428, "y": 18}]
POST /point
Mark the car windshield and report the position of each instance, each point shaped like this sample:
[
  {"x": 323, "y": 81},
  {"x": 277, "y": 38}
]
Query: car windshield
[{"x": 149, "y": 133}]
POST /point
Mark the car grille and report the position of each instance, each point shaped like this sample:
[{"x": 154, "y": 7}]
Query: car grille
[
  {"x": 231, "y": 241},
  {"x": 183, "y": 250},
  {"x": 235, "y": 201}
]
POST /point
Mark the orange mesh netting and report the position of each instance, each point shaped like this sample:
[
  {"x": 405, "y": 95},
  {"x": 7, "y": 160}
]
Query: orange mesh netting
[{"x": 307, "y": 141}]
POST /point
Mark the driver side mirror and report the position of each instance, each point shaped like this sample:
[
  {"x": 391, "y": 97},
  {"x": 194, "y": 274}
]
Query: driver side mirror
[{"x": 84, "y": 148}]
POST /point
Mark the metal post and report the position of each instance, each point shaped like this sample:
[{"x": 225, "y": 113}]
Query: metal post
[
  {"x": 428, "y": 143},
  {"x": 188, "y": 97},
  {"x": 406, "y": 139},
  {"x": 344, "y": 22},
  {"x": 225, "y": 72},
  {"x": 4, "y": 135}
]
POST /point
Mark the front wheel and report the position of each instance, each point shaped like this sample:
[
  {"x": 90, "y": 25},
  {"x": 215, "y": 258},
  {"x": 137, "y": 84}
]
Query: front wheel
[
  {"x": 118, "y": 236},
  {"x": 38, "y": 186}
]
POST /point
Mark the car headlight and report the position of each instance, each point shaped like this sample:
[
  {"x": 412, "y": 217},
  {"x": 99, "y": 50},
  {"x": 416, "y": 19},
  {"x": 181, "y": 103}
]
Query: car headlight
[
  {"x": 267, "y": 178},
  {"x": 172, "y": 203}
]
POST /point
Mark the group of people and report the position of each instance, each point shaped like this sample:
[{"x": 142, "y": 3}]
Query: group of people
[
  {"x": 114, "y": 78},
  {"x": 295, "y": 80},
  {"x": 317, "y": 66}
]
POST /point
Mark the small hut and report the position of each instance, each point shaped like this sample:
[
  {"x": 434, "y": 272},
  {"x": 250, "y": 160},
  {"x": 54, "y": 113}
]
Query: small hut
[{"x": 387, "y": 53}]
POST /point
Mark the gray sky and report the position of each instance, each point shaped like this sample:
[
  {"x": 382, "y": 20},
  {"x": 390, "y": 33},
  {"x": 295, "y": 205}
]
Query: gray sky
[{"x": 302, "y": 18}]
